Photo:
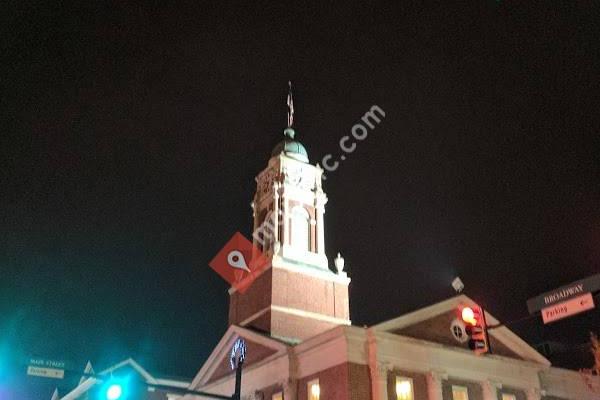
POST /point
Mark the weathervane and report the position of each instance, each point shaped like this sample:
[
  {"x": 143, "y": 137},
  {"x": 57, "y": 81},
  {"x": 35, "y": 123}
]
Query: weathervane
[{"x": 290, "y": 104}]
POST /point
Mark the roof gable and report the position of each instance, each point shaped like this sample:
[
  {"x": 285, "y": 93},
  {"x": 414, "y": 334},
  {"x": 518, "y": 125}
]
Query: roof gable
[
  {"x": 259, "y": 347},
  {"x": 433, "y": 324}
]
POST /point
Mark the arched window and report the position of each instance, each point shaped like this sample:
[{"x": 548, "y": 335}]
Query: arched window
[
  {"x": 300, "y": 228},
  {"x": 268, "y": 232}
]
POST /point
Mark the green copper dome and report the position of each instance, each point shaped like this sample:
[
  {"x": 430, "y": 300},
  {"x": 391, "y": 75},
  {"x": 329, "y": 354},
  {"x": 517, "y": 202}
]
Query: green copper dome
[{"x": 291, "y": 147}]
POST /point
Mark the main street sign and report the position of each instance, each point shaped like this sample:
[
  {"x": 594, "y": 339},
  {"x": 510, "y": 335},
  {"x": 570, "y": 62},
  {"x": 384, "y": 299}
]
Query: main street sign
[
  {"x": 46, "y": 368},
  {"x": 46, "y": 372},
  {"x": 563, "y": 293},
  {"x": 568, "y": 308}
]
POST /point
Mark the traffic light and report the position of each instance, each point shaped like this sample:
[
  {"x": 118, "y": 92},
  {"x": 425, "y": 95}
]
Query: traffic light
[
  {"x": 475, "y": 328},
  {"x": 114, "y": 389}
]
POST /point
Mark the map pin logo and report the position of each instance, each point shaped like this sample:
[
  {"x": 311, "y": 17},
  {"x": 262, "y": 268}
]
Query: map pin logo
[{"x": 235, "y": 259}]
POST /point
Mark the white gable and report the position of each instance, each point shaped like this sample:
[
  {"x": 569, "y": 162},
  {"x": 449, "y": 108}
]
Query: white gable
[{"x": 501, "y": 333}]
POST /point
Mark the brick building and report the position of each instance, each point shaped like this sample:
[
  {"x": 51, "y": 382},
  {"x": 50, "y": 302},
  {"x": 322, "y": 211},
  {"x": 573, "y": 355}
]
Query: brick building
[{"x": 301, "y": 345}]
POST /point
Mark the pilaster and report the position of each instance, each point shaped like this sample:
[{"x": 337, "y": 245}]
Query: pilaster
[
  {"x": 533, "y": 394},
  {"x": 490, "y": 390},
  {"x": 381, "y": 381},
  {"x": 434, "y": 385}
]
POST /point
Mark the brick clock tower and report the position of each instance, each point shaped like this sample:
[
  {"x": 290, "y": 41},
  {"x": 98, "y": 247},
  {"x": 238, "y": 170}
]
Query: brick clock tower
[{"x": 297, "y": 296}]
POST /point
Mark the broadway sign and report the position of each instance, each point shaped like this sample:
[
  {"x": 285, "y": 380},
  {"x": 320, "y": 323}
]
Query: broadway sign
[{"x": 575, "y": 289}]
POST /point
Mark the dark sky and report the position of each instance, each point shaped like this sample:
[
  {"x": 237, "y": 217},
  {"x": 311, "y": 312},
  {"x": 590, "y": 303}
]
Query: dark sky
[{"x": 131, "y": 135}]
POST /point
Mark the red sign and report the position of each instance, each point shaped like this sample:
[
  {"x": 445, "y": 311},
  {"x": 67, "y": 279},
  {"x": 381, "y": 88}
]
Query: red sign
[
  {"x": 239, "y": 262},
  {"x": 568, "y": 308}
]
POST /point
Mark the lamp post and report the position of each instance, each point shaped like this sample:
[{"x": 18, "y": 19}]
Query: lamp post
[{"x": 237, "y": 357}]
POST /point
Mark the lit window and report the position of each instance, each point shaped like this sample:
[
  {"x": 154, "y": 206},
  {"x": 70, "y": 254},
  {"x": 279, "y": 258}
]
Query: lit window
[
  {"x": 460, "y": 393},
  {"x": 300, "y": 228},
  {"x": 314, "y": 390},
  {"x": 277, "y": 396},
  {"x": 404, "y": 388},
  {"x": 506, "y": 396}
]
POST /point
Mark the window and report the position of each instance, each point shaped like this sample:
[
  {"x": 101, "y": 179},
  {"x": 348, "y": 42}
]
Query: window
[
  {"x": 460, "y": 393},
  {"x": 300, "y": 228},
  {"x": 267, "y": 229},
  {"x": 314, "y": 390},
  {"x": 277, "y": 396},
  {"x": 404, "y": 388},
  {"x": 506, "y": 396}
]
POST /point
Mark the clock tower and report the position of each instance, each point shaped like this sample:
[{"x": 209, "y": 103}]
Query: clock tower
[
  {"x": 297, "y": 295},
  {"x": 289, "y": 205}
]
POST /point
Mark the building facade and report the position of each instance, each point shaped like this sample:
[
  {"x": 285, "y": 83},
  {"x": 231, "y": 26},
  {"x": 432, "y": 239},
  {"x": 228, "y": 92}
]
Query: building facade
[{"x": 301, "y": 345}]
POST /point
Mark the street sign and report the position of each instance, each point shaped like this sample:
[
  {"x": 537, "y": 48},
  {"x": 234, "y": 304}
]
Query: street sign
[
  {"x": 46, "y": 368},
  {"x": 46, "y": 372},
  {"x": 568, "y": 308},
  {"x": 563, "y": 293}
]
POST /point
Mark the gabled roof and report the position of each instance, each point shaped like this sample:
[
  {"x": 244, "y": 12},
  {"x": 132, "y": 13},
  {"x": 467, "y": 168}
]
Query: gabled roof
[
  {"x": 260, "y": 347},
  {"x": 502, "y": 334},
  {"x": 86, "y": 384}
]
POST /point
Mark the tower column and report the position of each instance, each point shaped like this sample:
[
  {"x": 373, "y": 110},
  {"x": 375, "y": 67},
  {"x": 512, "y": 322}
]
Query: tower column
[
  {"x": 276, "y": 212},
  {"x": 284, "y": 218},
  {"x": 320, "y": 230}
]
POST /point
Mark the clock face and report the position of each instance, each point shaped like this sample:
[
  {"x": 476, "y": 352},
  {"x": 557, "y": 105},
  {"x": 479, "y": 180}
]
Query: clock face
[
  {"x": 302, "y": 177},
  {"x": 295, "y": 175}
]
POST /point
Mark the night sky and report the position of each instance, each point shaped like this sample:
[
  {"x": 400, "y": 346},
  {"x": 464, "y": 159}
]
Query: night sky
[{"x": 131, "y": 135}]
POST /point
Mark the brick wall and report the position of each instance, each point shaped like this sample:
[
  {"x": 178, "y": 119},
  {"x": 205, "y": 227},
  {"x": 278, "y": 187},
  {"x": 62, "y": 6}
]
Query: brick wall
[
  {"x": 254, "y": 299},
  {"x": 342, "y": 382},
  {"x": 360, "y": 382},
  {"x": 291, "y": 326},
  {"x": 346, "y": 381},
  {"x": 288, "y": 289},
  {"x": 302, "y": 292},
  {"x": 333, "y": 383}
]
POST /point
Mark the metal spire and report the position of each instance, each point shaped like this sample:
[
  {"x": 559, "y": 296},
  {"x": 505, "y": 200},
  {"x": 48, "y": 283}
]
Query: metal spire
[{"x": 290, "y": 104}]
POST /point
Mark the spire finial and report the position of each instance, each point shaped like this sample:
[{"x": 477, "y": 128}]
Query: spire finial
[{"x": 290, "y": 104}]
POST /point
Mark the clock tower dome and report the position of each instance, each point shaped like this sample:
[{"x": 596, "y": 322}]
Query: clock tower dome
[{"x": 297, "y": 295}]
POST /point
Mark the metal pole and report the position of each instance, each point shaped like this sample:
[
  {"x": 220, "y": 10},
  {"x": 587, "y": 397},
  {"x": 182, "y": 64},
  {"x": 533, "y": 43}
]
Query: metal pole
[
  {"x": 238, "y": 381},
  {"x": 485, "y": 331}
]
